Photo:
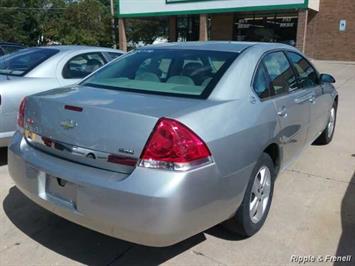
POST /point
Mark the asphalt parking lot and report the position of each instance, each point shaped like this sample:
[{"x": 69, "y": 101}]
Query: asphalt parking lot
[{"x": 313, "y": 213}]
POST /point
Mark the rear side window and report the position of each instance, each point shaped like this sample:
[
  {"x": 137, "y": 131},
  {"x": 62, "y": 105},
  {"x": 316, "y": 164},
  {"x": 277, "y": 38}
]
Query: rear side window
[
  {"x": 308, "y": 76},
  {"x": 82, "y": 65},
  {"x": 178, "y": 72},
  {"x": 280, "y": 73},
  {"x": 261, "y": 85}
]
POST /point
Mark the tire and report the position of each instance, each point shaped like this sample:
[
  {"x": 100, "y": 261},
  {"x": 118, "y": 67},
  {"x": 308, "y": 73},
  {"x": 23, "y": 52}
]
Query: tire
[
  {"x": 244, "y": 223},
  {"x": 328, "y": 133}
]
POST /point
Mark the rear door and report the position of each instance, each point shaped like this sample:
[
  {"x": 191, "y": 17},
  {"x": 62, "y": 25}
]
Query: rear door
[
  {"x": 291, "y": 103},
  {"x": 319, "y": 104}
]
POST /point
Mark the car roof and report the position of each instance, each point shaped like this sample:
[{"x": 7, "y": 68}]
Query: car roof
[
  {"x": 223, "y": 46},
  {"x": 12, "y": 43},
  {"x": 72, "y": 48}
]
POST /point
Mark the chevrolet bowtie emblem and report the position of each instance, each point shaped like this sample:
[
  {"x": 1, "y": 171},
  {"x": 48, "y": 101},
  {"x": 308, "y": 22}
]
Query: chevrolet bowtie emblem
[{"x": 68, "y": 124}]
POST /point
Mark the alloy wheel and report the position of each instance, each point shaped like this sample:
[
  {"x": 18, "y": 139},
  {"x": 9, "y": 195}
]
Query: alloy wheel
[{"x": 260, "y": 194}]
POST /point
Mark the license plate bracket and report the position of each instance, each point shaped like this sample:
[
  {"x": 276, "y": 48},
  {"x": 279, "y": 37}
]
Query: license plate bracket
[{"x": 61, "y": 190}]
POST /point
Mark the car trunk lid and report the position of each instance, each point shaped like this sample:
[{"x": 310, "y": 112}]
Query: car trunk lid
[{"x": 97, "y": 127}]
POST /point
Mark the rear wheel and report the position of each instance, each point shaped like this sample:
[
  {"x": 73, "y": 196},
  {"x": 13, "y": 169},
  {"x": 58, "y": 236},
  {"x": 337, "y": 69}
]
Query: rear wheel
[
  {"x": 255, "y": 207},
  {"x": 328, "y": 133}
]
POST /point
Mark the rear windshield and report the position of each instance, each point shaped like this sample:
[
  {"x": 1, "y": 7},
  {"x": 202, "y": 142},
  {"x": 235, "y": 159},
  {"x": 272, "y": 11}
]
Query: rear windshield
[
  {"x": 23, "y": 61},
  {"x": 189, "y": 73}
]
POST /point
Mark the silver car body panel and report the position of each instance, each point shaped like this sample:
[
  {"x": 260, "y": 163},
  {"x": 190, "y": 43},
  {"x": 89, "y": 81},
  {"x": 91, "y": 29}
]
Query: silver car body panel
[
  {"x": 150, "y": 207},
  {"x": 160, "y": 207},
  {"x": 47, "y": 75}
]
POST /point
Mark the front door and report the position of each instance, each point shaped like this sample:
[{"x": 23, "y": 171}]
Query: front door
[
  {"x": 291, "y": 103},
  {"x": 309, "y": 81}
]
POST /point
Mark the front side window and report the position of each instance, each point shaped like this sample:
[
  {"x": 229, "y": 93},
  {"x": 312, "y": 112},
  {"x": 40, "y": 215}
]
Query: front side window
[
  {"x": 82, "y": 65},
  {"x": 23, "y": 61},
  {"x": 280, "y": 73},
  {"x": 307, "y": 74},
  {"x": 165, "y": 71},
  {"x": 261, "y": 86}
]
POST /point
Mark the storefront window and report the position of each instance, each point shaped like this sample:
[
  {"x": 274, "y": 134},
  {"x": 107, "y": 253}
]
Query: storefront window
[
  {"x": 266, "y": 28},
  {"x": 188, "y": 28}
]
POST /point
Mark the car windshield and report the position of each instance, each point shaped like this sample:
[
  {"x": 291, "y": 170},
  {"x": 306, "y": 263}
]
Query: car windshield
[
  {"x": 176, "y": 72},
  {"x": 23, "y": 61}
]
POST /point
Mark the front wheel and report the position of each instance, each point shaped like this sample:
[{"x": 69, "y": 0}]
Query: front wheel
[
  {"x": 255, "y": 207},
  {"x": 328, "y": 133}
]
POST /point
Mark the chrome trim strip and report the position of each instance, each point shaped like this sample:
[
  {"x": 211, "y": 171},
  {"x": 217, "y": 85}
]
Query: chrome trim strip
[{"x": 75, "y": 153}]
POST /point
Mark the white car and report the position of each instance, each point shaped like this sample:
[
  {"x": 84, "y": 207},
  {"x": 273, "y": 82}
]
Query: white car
[{"x": 37, "y": 69}]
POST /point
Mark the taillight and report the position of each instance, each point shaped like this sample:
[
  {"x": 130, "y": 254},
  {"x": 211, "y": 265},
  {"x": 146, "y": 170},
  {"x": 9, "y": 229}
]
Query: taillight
[
  {"x": 174, "y": 146},
  {"x": 21, "y": 114}
]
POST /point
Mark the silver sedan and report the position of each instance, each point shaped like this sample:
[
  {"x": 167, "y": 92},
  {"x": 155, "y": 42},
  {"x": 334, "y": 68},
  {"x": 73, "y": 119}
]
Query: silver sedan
[
  {"x": 170, "y": 140},
  {"x": 37, "y": 69}
]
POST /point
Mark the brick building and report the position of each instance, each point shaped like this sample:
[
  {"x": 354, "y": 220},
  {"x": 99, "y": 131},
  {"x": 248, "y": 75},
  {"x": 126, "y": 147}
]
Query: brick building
[{"x": 323, "y": 29}]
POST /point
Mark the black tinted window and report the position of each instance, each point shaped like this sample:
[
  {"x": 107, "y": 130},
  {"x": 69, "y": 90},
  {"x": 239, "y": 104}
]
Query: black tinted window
[
  {"x": 23, "y": 61},
  {"x": 82, "y": 65},
  {"x": 261, "y": 86},
  {"x": 280, "y": 72},
  {"x": 114, "y": 55},
  {"x": 11, "y": 48},
  {"x": 307, "y": 74}
]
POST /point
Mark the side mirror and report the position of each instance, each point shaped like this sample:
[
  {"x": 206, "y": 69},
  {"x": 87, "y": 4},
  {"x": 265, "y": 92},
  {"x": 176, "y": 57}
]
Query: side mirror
[{"x": 326, "y": 78}]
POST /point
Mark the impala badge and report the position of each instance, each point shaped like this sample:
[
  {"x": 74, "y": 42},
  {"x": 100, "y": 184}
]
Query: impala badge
[{"x": 68, "y": 124}]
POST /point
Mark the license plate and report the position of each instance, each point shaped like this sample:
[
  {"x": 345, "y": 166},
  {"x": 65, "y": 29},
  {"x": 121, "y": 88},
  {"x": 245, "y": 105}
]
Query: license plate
[{"x": 61, "y": 189}]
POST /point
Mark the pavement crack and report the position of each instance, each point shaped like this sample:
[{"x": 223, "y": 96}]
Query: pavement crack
[
  {"x": 319, "y": 176},
  {"x": 198, "y": 253},
  {"x": 120, "y": 255}
]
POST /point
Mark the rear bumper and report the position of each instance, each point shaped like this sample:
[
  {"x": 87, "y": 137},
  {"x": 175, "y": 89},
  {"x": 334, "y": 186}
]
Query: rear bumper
[{"x": 149, "y": 207}]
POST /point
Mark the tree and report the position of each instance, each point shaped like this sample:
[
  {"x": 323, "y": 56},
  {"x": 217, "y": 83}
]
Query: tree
[
  {"x": 145, "y": 31},
  {"x": 68, "y": 22},
  {"x": 86, "y": 22},
  {"x": 26, "y": 21}
]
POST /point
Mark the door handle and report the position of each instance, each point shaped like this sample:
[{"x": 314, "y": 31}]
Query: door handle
[
  {"x": 282, "y": 112},
  {"x": 312, "y": 99}
]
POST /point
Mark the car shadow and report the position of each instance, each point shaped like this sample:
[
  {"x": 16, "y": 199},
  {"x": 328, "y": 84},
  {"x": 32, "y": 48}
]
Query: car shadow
[
  {"x": 346, "y": 245},
  {"x": 86, "y": 246},
  {"x": 3, "y": 156}
]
